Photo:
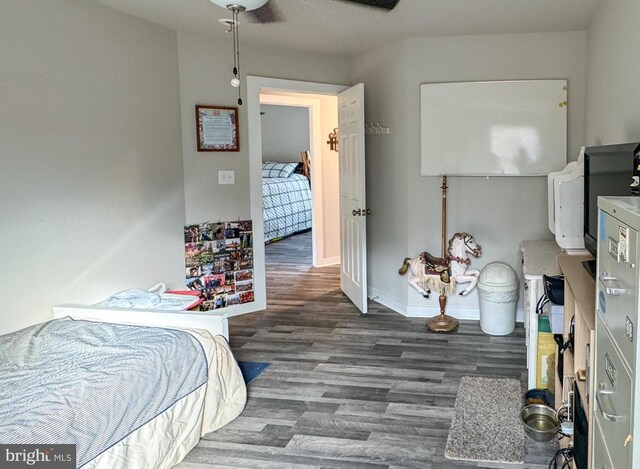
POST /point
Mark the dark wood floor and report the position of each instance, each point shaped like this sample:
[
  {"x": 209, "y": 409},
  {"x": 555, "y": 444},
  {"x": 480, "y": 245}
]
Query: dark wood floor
[
  {"x": 346, "y": 390},
  {"x": 295, "y": 250}
]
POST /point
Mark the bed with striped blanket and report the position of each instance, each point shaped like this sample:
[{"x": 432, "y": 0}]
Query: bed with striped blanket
[
  {"x": 287, "y": 206},
  {"x": 127, "y": 396}
]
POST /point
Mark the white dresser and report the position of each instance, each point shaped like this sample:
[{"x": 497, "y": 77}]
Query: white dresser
[
  {"x": 538, "y": 258},
  {"x": 616, "y": 444}
]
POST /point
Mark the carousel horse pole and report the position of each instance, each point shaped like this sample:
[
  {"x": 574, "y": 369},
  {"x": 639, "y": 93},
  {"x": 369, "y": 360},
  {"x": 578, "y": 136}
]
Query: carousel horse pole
[
  {"x": 444, "y": 188},
  {"x": 442, "y": 322}
]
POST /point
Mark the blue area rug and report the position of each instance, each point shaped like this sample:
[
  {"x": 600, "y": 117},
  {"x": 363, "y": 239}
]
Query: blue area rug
[{"x": 251, "y": 370}]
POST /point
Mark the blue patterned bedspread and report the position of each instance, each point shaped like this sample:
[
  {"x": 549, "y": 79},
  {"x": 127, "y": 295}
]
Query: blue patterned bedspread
[
  {"x": 287, "y": 206},
  {"x": 90, "y": 383}
]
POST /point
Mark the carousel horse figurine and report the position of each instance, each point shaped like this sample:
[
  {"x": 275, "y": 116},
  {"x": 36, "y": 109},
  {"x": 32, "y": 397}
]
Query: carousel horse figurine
[
  {"x": 427, "y": 272},
  {"x": 423, "y": 268},
  {"x": 460, "y": 246}
]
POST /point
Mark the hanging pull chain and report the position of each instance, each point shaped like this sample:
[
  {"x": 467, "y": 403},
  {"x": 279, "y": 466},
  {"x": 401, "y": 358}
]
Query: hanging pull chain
[
  {"x": 234, "y": 23},
  {"x": 236, "y": 61}
]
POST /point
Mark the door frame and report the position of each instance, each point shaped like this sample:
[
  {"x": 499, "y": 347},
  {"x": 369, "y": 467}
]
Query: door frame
[{"x": 256, "y": 84}]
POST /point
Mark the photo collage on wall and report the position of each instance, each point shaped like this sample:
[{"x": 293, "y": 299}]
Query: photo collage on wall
[{"x": 219, "y": 262}]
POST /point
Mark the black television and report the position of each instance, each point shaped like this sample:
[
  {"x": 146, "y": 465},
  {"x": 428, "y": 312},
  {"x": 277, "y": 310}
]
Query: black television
[{"x": 608, "y": 171}]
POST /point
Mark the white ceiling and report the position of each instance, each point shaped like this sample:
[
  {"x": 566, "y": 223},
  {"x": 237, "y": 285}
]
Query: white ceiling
[{"x": 339, "y": 28}]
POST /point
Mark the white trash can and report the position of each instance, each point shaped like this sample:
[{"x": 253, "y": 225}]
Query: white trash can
[{"x": 498, "y": 291}]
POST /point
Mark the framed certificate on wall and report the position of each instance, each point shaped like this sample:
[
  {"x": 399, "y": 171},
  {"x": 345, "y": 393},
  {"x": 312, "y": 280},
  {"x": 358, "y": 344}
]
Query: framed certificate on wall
[{"x": 217, "y": 128}]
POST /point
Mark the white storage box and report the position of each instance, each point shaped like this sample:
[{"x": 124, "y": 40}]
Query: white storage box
[{"x": 556, "y": 319}]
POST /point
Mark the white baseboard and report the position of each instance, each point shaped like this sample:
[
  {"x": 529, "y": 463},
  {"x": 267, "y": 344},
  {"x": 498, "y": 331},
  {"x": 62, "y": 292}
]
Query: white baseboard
[
  {"x": 453, "y": 311},
  {"x": 327, "y": 261},
  {"x": 388, "y": 301},
  {"x": 412, "y": 311}
]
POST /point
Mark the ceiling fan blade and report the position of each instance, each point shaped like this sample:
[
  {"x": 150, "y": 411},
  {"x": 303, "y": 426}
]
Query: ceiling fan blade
[
  {"x": 267, "y": 13},
  {"x": 386, "y": 4}
]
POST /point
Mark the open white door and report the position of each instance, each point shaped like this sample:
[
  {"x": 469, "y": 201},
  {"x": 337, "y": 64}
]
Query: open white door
[{"x": 353, "y": 211}]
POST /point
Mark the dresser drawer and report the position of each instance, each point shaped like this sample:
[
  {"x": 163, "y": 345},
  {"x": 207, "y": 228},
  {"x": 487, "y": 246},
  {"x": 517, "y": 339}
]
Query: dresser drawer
[
  {"x": 613, "y": 404},
  {"x": 601, "y": 457},
  {"x": 616, "y": 295}
]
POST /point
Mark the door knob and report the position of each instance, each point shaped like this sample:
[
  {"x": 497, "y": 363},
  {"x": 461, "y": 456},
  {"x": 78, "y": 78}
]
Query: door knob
[{"x": 361, "y": 212}]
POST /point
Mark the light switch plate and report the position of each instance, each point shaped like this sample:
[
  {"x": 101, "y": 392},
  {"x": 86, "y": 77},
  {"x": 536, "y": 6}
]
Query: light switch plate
[{"x": 226, "y": 177}]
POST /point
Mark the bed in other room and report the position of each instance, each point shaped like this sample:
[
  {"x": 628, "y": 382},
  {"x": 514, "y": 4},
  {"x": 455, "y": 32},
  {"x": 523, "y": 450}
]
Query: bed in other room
[{"x": 287, "y": 200}]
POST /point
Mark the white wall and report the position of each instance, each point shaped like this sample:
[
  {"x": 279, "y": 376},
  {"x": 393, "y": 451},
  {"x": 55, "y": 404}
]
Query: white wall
[
  {"x": 204, "y": 75},
  {"x": 613, "y": 104},
  {"x": 500, "y": 212},
  {"x": 382, "y": 73},
  {"x": 92, "y": 173},
  {"x": 205, "y": 71},
  {"x": 91, "y": 176},
  {"x": 285, "y": 132}
]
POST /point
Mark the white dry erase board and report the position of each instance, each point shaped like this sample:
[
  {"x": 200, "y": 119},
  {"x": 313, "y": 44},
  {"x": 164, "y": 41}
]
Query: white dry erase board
[{"x": 493, "y": 128}]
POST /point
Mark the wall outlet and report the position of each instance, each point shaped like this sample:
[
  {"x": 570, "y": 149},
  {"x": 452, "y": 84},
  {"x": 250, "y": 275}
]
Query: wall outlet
[{"x": 226, "y": 177}]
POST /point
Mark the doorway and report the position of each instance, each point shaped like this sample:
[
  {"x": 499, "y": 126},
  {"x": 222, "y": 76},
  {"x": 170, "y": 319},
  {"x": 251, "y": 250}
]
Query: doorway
[
  {"x": 301, "y": 211},
  {"x": 286, "y": 183},
  {"x": 325, "y": 235}
]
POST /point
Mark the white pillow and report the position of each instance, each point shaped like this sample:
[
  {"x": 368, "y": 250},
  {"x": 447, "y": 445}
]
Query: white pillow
[{"x": 278, "y": 170}]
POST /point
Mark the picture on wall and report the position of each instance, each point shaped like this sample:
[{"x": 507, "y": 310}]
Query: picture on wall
[
  {"x": 219, "y": 262},
  {"x": 217, "y": 128}
]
